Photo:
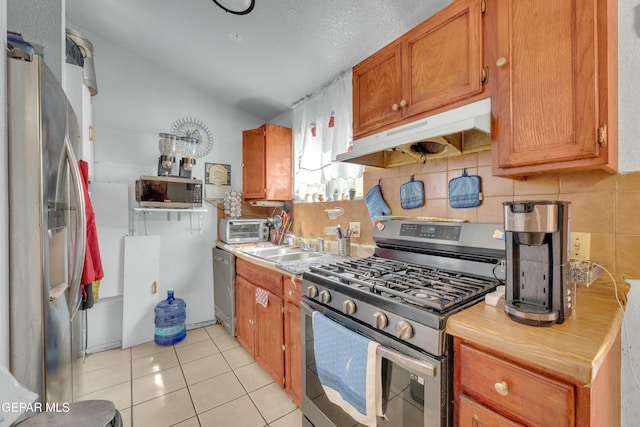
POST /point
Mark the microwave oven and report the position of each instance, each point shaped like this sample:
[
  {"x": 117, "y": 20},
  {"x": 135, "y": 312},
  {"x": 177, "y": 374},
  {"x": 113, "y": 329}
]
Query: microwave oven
[
  {"x": 169, "y": 192},
  {"x": 243, "y": 230}
]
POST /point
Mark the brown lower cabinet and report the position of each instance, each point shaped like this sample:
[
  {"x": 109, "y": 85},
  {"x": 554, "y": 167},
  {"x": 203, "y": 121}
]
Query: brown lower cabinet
[
  {"x": 492, "y": 390},
  {"x": 258, "y": 336},
  {"x": 271, "y": 335}
]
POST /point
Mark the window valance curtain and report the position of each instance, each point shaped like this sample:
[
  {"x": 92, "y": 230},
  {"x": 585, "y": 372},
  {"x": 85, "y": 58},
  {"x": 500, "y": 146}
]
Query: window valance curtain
[{"x": 321, "y": 130}]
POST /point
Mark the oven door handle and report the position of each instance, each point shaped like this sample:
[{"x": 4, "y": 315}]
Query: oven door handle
[{"x": 412, "y": 365}]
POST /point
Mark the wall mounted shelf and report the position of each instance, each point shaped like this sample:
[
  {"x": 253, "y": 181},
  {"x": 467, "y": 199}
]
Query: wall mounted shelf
[{"x": 169, "y": 211}]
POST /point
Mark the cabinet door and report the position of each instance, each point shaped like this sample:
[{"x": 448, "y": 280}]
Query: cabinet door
[
  {"x": 377, "y": 90},
  {"x": 548, "y": 116},
  {"x": 279, "y": 163},
  {"x": 442, "y": 58},
  {"x": 253, "y": 164},
  {"x": 245, "y": 317},
  {"x": 472, "y": 414},
  {"x": 269, "y": 339},
  {"x": 140, "y": 293},
  {"x": 292, "y": 355}
]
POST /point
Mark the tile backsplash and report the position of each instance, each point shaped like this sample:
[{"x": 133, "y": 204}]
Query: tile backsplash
[{"x": 607, "y": 206}]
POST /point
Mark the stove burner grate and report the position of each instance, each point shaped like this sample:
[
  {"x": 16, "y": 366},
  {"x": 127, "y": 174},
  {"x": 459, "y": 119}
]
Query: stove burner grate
[{"x": 421, "y": 286}]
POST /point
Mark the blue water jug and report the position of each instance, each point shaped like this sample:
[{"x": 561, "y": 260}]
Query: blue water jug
[{"x": 170, "y": 316}]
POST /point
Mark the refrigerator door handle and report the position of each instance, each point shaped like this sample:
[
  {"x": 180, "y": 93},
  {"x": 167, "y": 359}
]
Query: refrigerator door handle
[{"x": 81, "y": 232}]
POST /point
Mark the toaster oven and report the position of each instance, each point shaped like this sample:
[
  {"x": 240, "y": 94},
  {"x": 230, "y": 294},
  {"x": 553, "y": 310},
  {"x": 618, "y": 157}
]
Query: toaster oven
[{"x": 243, "y": 230}]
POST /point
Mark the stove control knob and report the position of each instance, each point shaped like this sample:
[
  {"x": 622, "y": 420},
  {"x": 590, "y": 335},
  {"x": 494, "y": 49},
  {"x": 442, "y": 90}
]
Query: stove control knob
[
  {"x": 349, "y": 307},
  {"x": 380, "y": 320},
  {"x": 312, "y": 291},
  {"x": 404, "y": 331},
  {"x": 325, "y": 297}
]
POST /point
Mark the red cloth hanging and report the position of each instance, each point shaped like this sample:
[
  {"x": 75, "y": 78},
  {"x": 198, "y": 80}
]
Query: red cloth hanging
[{"x": 92, "y": 269}]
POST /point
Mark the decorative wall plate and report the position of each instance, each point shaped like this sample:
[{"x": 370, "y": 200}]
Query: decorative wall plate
[{"x": 194, "y": 128}]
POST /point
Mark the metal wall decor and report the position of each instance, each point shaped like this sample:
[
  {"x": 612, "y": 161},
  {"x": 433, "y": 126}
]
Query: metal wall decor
[{"x": 194, "y": 128}]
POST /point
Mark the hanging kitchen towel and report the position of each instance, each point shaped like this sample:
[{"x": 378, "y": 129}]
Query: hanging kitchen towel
[
  {"x": 262, "y": 297},
  {"x": 348, "y": 368},
  {"x": 412, "y": 194},
  {"x": 464, "y": 191},
  {"x": 375, "y": 203},
  {"x": 92, "y": 268}
]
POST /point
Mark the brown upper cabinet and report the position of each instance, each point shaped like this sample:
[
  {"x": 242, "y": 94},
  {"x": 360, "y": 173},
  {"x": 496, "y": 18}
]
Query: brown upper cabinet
[
  {"x": 433, "y": 65},
  {"x": 555, "y": 66},
  {"x": 267, "y": 162}
]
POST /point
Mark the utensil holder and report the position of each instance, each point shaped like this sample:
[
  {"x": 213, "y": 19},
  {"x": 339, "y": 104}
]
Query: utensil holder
[{"x": 344, "y": 246}]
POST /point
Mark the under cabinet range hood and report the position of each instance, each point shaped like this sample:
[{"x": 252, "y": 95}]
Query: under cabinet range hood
[{"x": 462, "y": 130}]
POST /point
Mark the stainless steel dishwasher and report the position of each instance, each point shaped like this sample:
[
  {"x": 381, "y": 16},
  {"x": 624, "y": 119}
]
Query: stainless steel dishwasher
[{"x": 224, "y": 288}]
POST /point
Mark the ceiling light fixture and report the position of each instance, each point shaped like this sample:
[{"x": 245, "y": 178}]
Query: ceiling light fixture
[{"x": 237, "y": 7}]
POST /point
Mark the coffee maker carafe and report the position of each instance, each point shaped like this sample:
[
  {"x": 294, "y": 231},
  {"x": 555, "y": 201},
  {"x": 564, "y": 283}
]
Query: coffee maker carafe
[{"x": 538, "y": 290}]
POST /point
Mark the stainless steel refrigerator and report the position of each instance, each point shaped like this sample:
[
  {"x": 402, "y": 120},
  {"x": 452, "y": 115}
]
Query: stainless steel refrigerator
[{"x": 46, "y": 233}]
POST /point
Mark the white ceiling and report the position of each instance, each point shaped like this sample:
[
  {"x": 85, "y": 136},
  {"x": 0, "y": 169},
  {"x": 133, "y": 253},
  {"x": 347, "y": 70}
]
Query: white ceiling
[{"x": 262, "y": 62}]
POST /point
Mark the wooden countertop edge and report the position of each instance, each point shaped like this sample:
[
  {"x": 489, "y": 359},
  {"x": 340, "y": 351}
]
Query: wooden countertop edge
[{"x": 596, "y": 323}]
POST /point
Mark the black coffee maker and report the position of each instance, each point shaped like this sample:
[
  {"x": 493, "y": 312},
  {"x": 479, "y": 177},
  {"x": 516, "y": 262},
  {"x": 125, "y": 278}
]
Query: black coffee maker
[{"x": 538, "y": 290}]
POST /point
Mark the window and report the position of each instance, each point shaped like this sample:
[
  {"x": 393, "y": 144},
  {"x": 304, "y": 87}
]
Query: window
[{"x": 321, "y": 130}]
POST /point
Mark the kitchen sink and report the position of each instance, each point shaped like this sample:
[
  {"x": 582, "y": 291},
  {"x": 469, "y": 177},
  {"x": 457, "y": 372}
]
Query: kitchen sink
[
  {"x": 282, "y": 254},
  {"x": 270, "y": 251},
  {"x": 294, "y": 256}
]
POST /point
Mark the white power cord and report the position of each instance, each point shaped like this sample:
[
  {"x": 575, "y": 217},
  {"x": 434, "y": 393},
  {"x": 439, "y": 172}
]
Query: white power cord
[{"x": 624, "y": 323}]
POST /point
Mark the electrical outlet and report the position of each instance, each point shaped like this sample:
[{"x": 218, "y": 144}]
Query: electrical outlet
[
  {"x": 580, "y": 246},
  {"x": 355, "y": 226}
]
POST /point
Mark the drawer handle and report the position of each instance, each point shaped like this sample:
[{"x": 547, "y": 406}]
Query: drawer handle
[
  {"x": 502, "y": 388},
  {"x": 290, "y": 292}
]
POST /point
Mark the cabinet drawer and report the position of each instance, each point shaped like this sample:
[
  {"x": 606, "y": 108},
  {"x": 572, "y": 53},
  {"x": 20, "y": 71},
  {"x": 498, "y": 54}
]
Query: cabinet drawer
[
  {"x": 263, "y": 277},
  {"x": 472, "y": 414},
  {"x": 292, "y": 289},
  {"x": 511, "y": 389}
]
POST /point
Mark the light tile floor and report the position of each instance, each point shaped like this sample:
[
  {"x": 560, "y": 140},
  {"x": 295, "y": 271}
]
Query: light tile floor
[{"x": 205, "y": 380}]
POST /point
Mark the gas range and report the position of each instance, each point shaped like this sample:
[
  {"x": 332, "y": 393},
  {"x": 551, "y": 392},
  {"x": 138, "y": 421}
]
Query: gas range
[{"x": 420, "y": 274}]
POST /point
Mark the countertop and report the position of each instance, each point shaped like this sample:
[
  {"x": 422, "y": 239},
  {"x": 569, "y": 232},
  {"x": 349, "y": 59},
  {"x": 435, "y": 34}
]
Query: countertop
[{"x": 574, "y": 349}]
